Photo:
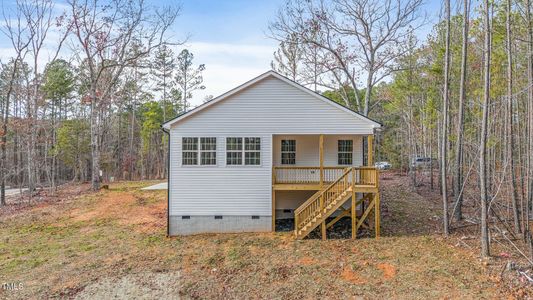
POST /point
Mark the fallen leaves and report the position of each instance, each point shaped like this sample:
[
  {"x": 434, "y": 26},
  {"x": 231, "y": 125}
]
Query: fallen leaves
[
  {"x": 389, "y": 271},
  {"x": 349, "y": 275}
]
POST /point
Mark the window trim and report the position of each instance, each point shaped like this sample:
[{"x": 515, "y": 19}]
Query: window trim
[
  {"x": 243, "y": 151},
  {"x": 183, "y": 151},
  {"x": 343, "y": 152},
  {"x": 240, "y": 152},
  {"x": 282, "y": 152},
  {"x": 251, "y": 151},
  {"x": 199, "y": 152}
]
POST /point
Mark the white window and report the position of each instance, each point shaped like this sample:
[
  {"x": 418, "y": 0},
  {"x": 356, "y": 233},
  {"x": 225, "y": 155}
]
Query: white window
[
  {"x": 189, "y": 151},
  {"x": 233, "y": 151},
  {"x": 252, "y": 151},
  {"x": 208, "y": 151},
  {"x": 288, "y": 152},
  {"x": 204, "y": 154},
  {"x": 345, "y": 152},
  {"x": 243, "y": 151}
]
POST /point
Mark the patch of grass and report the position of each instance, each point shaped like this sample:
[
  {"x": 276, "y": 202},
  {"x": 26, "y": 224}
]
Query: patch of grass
[
  {"x": 238, "y": 257},
  {"x": 154, "y": 240},
  {"x": 214, "y": 260},
  {"x": 58, "y": 250},
  {"x": 260, "y": 242}
]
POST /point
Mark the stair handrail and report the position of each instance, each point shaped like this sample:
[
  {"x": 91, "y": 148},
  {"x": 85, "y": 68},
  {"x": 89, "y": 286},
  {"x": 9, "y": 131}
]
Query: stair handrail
[{"x": 318, "y": 195}]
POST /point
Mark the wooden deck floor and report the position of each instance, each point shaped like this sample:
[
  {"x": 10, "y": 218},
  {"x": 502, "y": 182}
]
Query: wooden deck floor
[{"x": 359, "y": 188}]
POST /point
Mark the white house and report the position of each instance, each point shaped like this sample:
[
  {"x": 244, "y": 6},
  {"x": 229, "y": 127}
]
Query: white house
[{"x": 269, "y": 149}]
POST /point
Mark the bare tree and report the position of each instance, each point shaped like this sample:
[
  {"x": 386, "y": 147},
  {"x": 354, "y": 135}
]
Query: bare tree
[
  {"x": 288, "y": 57},
  {"x": 20, "y": 38},
  {"x": 105, "y": 32},
  {"x": 38, "y": 17},
  {"x": 364, "y": 37}
]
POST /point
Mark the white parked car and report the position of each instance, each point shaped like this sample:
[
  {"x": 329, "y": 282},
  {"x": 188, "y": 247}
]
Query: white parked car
[
  {"x": 383, "y": 165},
  {"x": 423, "y": 162}
]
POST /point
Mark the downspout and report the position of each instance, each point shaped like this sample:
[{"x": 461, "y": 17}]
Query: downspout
[{"x": 168, "y": 181}]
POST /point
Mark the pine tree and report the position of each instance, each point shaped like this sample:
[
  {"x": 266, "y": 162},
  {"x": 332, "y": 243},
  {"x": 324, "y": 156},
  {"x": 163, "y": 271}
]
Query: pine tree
[
  {"x": 163, "y": 66},
  {"x": 188, "y": 77}
]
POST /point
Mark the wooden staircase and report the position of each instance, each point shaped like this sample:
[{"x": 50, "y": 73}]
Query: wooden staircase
[{"x": 314, "y": 212}]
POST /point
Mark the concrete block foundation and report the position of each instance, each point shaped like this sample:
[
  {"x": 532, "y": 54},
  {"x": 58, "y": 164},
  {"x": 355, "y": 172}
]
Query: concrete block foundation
[{"x": 187, "y": 225}]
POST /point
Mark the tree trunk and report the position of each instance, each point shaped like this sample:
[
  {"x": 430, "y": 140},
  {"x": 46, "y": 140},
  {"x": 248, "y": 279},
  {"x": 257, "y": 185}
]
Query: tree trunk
[
  {"x": 4, "y": 158},
  {"x": 368, "y": 92},
  {"x": 5, "y": 120},
  {"x": 132, "y": 134},
  {"x": 95, "y": 147},
  {"x": 458, "y": 182},
  {"x": 485, "y": 251},
  {"x": 510, "y": 131},
  {"x": 444, "y": 142},
  {"x": 529, "y": 173}
]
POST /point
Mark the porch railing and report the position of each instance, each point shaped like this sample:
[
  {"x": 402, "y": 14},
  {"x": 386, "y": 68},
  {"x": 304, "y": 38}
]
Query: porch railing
[
  {"x": 305, "y": 175},
  {"x": 311, "y": 175},
  {"x": 366, "y": 176}
]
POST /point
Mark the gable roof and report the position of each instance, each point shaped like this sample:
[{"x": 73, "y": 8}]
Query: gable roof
[{"x": 253, "y": 81}]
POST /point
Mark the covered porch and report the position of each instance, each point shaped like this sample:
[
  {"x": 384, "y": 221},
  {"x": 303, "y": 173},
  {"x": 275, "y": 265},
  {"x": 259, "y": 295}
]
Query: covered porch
[{"x": 310, "y": 170}]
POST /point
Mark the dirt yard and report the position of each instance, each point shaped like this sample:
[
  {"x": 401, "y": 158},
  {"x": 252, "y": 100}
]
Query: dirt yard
[{"x": 112, "y": 244}]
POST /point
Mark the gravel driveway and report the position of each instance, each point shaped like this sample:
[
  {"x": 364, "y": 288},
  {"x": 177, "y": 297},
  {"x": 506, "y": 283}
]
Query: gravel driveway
[{"x": 147, "y": 285}]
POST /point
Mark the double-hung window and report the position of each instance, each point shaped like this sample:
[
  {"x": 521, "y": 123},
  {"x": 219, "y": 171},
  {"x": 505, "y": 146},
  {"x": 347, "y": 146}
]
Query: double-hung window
[
  {"x": 345, "y": 152},
  {"x": 252, "y": 151},
  {"x": 199, "y": 151},
  {"x": 208, "y": 151},
  {"x": 189, "y": 151},
  {"x": 234, "y": 151},
  {"x": 288, "y": 152},
  {"x": 243, "y": 151}
]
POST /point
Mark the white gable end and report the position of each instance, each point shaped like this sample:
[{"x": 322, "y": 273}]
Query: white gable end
[{"x": 274, "y": 106}]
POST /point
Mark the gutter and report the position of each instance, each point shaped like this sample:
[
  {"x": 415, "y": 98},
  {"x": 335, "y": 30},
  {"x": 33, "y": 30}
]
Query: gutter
[{"x": 168, "y": 180}]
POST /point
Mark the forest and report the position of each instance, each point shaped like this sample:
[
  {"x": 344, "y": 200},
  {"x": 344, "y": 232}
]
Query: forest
[
  {"x": 462, "y": 96},
  {"x": 89, "y": 107},
  {"x": 94, "y": 114}
]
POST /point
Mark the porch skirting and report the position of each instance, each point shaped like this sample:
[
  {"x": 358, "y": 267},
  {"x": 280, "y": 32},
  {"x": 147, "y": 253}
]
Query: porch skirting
[{"x": 180, "y": 225}]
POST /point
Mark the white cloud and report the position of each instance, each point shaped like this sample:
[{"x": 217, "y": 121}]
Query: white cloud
[{"x": 227, "y": 65}]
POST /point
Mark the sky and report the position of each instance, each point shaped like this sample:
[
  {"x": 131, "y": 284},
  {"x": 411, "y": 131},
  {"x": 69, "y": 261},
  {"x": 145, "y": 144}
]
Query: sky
[{"x": 228, "y": 36}]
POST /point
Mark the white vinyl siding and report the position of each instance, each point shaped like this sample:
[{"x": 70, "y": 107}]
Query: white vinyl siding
[
  {"x": 269, "y": 107},
  {"x": 274, "y": 107},
  {"x": 220, "y": 189}
]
